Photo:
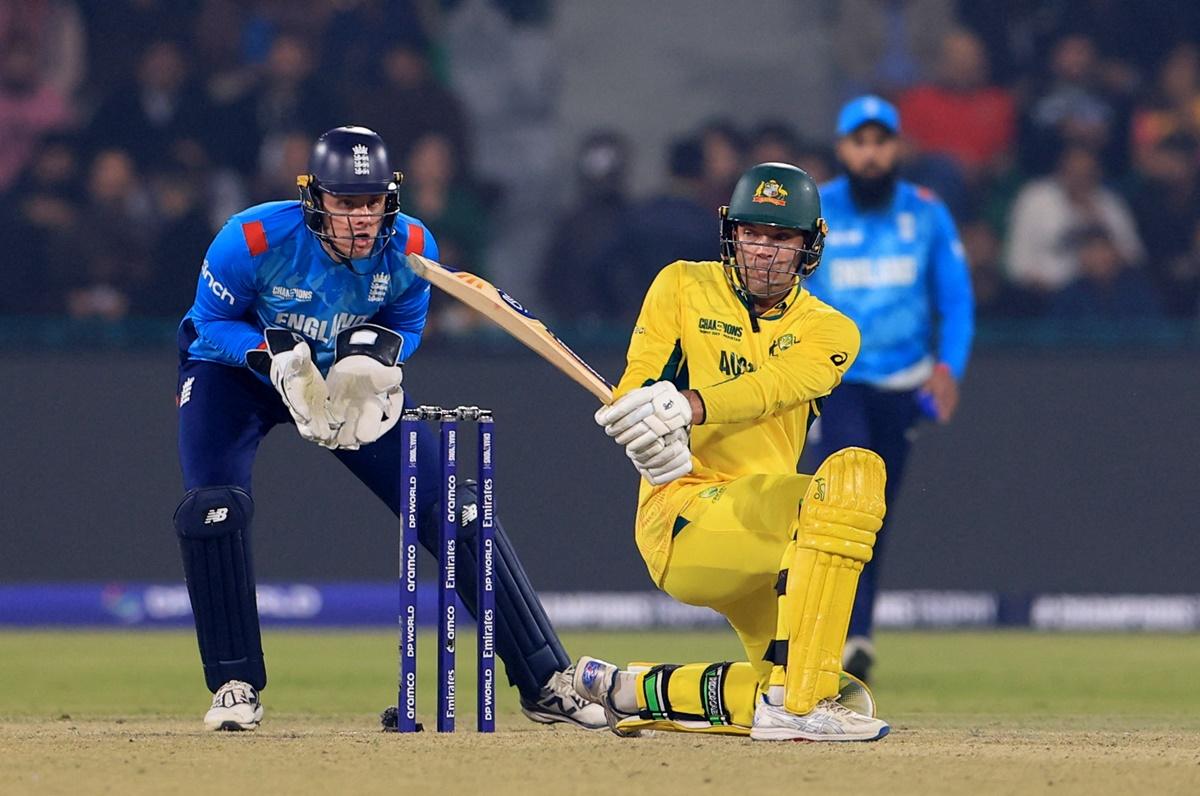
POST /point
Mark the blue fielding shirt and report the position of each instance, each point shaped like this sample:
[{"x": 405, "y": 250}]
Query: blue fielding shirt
[
  {"x": 900, "y": 274},
  {"x": 266, "y": 268}
]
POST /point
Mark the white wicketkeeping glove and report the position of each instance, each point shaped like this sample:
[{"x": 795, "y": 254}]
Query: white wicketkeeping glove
[
  {"x": 288, "y": 362},
  {"x": 646, "y": 414},
  {"x": 365, "y": 397},
  {"x": 665, "y": 460}
]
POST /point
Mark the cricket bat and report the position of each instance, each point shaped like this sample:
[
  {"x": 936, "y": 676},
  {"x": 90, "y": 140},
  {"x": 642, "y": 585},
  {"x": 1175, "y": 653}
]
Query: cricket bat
[{"x": 508, "y": 313}]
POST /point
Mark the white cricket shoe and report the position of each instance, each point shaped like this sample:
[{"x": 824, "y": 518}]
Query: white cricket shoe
[
  {"x": 235, "y": 706},
  {"x": 558, "y": 702},
  {"x": 828, "y": 721},
  {"x": 593, "y": 680}
]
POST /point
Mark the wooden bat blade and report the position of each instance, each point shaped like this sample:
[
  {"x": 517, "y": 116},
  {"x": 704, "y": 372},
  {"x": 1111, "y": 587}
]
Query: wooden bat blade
[{"x": 511, "y": 316}]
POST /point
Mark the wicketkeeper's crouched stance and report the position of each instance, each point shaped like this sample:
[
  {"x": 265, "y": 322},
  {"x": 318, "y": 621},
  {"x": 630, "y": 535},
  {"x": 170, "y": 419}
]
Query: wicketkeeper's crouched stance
[
  {"x": 740, "y": 354},
  {"x": 332, "y": 269}
]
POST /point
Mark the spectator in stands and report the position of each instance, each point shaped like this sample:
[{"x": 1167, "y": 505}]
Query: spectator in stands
[
  {"x": 995, "y": 296},
  {"x": 120, "y": 31},
  {"x": 287, "y": 94},
  {"x": 409, "y": 103},
  {"x": 1107, "y": 287},
  {"x": 774, "y": 141},
  {"x": 885, "y": 46},
  {"x": 962, "y": 115},
  {"x": 35, "y": 225},
  {"x": 1073, "y": 107},
  {"x": 29, "y": 109},
  {"x": 282, "y": 157},
  {"x": 668, "y": 226},
  {"x": 55, "y": 30},
  {"x": 1049, "y": 211},
  {"x": 183, "y": 236},
  {"x": 437, "y": 190},
  {"x": 114, "y": 239},
  {"x": 163, "y": 117},
  {"x": 570, "y": 279},
  {"x": 724, "y": 149},
  {"x": 1174, "y": 105},
  {"x": 1166, "y": 203}
]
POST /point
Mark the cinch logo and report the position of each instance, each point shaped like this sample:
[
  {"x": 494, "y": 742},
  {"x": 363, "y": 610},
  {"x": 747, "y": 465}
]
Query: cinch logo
[
  {"x": 714, "y": 326},
  {"x": 216, "y": 515},
  {"x": 219, "y": 290},
  {"x": 362, "y": 159}
]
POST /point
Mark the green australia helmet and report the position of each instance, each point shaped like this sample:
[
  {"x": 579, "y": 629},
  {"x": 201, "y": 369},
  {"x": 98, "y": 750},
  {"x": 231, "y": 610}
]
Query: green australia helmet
[{"x": 778, "y": 195}]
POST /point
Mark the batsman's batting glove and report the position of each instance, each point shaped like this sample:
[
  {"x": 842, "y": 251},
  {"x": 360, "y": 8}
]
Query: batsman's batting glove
[
  {"x": 287, "y": 361},
  {"x": 673, "y": 461},
  {"x": 642, "y": 416},
  {"x": 365, "y": 397}
]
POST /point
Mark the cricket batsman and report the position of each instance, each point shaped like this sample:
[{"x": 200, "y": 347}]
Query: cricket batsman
[
  {"x": 305, "y": 311},
  {"x": 727, "y": 367}
]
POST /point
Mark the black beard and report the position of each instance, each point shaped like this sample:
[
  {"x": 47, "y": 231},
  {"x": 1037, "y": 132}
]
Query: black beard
[{"x": 872, "y": 192}]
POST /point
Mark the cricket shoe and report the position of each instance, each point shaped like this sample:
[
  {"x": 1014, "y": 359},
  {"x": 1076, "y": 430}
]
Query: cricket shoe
[
  {"x": 235, "y": 706},
  {"x": 828, "y": 721},
  {"x": 558, "y": 702},
  {"x": 594, "y": 680},
  {"x": 858, "y": 656}
]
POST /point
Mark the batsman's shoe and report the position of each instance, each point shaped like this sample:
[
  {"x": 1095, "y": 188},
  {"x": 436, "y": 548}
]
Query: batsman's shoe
[
  {"x": 558, "y": 702},
  {"x": 828, "y": 721},
  {"x": 594, "y": 680},
  {"x": 235, "y": 706}
]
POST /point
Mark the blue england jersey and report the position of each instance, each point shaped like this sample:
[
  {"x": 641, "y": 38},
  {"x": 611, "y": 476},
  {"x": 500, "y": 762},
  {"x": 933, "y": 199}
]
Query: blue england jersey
[
  {"x": 265, "y": 268},
  {"x": 900, "y": 274}
]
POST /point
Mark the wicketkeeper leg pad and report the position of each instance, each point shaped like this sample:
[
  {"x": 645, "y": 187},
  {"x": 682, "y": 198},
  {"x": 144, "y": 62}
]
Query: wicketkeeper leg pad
[
  {"x": 213, "y": 524},
  {"x": 841, "y": 513}
]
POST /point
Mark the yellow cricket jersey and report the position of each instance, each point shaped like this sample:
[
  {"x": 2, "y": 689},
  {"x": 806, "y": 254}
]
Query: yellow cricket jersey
[{"x": 760, "y": 382}]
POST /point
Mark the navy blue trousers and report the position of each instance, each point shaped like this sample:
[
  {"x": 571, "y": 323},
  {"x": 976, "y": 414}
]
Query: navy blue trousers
[
  {"x": 224, "y": 418},
  {"x": 863, "y": 416}
]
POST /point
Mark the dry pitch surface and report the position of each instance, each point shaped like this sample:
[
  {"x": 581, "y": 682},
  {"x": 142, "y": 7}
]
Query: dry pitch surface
[{"x": 971, "y": 713}]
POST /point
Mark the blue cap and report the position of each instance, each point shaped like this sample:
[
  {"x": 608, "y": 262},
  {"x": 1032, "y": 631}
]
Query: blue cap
[{"x": 865, "y": 109}]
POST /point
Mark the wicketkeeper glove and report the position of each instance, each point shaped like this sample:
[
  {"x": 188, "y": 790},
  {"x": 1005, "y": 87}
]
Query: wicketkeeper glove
[
  {"x": 365, "y": 397},
  {"x": 287, "y": 361}
]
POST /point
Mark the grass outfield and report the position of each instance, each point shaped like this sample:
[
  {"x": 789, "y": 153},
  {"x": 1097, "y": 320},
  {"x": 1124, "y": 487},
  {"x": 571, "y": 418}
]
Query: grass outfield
[{"x": 1003, "y": 712}]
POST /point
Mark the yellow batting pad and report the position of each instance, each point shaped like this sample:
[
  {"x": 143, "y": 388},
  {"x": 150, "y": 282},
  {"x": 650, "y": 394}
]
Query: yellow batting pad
[
  {"x": 695, "y": 697},
  {"x": 841, "y": 514}
]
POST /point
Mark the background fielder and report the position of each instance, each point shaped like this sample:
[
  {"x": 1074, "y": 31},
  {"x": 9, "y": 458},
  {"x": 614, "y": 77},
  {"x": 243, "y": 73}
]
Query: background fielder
[
  {"x": 894, "y": 264},
  {"x": 328, "y": 266}
]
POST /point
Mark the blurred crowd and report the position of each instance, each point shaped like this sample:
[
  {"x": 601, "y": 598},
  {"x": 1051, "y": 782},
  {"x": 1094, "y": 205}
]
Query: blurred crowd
[{"x": 1063, "y": 134}]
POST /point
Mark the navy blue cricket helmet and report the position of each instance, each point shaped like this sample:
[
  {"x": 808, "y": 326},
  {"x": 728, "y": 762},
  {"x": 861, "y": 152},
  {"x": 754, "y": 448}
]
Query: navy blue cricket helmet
[{"x": 349, "y": 161}]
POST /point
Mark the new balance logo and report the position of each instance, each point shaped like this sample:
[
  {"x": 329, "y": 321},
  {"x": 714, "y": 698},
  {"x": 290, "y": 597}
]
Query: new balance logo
[
  {"x": 362, "y": 159},
  {"x": 216, "y": 515},
  {"x": 185, "y": 392}
]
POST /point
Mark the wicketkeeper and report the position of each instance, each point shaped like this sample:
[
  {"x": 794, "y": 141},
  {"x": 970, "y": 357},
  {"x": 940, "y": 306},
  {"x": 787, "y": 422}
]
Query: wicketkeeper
[
  {"x": 727, "y": 367},
  {"x": 315, "y": 295}
]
